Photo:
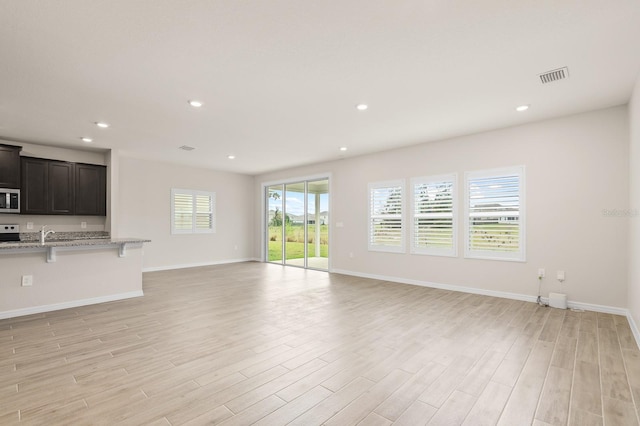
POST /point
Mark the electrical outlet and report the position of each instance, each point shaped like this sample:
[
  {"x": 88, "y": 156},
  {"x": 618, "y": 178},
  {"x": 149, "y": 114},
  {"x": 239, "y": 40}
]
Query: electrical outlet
[
  {"x": 27, "y": 280},
  {"x": 29, "y": 225},
  {"x": 560, "y": 276},
  {"x": 541, "y": 273},
  {"x": 83, "y": 225}
]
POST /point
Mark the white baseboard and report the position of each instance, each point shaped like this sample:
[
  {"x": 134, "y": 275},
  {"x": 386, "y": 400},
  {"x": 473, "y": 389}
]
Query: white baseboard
[
  {"x": 66, "y": 305},
  {"x": 195, "y": 265},
  {"x": 634, "y": 328},
  {"x": 485, "y": 292}
]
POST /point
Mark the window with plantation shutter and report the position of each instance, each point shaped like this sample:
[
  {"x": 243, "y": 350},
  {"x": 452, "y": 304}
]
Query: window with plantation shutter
[
  {"x": 192, "y": 211},
  {"x": 433, "y": 210},
  {"x": 386, "y": 209},
  {"x": 494, "y": 210}
]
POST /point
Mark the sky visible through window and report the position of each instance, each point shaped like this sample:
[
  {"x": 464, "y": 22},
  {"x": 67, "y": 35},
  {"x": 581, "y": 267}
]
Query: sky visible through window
[{"x": 295, "y": 203}]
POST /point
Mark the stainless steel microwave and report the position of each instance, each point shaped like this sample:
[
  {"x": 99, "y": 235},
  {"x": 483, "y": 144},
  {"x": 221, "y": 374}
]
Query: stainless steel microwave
[{"x": 9, "y": 200}]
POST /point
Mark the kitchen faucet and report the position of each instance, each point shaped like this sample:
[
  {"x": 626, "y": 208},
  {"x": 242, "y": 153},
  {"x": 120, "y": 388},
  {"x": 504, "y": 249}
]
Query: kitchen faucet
[{"x": 43, "y": 234}]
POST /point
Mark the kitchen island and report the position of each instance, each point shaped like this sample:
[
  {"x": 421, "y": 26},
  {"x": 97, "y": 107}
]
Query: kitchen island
[{"x": 68, "y": 272}]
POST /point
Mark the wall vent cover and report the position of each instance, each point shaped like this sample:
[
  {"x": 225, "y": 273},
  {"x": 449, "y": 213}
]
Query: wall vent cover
[
  {"x": 186, "y": 148},
  {"x": 554, "y": 75}
]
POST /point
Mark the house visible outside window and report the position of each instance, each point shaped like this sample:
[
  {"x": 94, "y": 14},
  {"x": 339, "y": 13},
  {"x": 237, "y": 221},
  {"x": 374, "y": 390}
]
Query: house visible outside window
[
  {"x": 434, "y": 212},
  {"x": 495, "y": 214},
  {"x": 192, "y": 212},
  {"x": 386, "y": 209}
]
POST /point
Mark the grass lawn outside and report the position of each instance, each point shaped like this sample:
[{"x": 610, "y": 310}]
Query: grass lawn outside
[{"x": 295, "y": 250}]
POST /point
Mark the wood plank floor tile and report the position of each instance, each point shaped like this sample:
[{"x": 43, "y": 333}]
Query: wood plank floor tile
[
  {"x": 417, "y": 414},
  {"x": 553, "y": 407},
  {"x": 250, "y": 343},
  {"x": 295, "y": 408},
  {"x": 334, "y": 403},
  {"x": 454, "y": 410},
  {"x": 526, "y": 393},
  {"x": 489, "y": 405},
  {"x": 255, "y": 412},
  {"x": 364, "y": 404}
]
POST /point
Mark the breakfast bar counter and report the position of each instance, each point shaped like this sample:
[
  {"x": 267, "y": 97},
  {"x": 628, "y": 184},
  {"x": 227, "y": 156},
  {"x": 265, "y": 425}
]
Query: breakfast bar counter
[
  {"x": 51, "y": 247},
  {"x": 73, "y": 269}
]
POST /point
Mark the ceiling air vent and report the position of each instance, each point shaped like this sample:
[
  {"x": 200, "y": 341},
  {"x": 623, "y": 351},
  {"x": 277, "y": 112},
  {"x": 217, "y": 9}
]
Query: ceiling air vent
[
  {"x": 554, "y": 75},
  {"x": 186, "y": 148}
]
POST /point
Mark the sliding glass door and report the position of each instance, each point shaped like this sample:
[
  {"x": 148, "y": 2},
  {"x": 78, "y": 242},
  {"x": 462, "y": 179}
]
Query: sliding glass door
[{"x": 297, "y": 223}]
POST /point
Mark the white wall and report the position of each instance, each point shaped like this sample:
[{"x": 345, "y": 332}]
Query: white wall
[
  {"x": 144, "y": 211},
  {"x": 576, "y": 167},
  {"x": 634, "y": 205},
  {"x": 79, "y": 276},
  {"x": 57, "y": 222}
]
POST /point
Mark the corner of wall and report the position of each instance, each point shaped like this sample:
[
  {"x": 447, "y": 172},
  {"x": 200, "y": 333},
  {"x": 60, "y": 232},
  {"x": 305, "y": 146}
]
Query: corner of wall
[{"x": 633, "y": 286}]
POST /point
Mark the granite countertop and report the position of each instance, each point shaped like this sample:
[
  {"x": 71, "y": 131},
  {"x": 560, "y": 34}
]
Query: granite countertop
[{"x": 68, "y": 239}]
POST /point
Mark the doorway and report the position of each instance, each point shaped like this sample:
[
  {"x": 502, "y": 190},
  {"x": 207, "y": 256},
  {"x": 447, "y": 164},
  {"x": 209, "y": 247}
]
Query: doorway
[{"x": 297, "y": 223}]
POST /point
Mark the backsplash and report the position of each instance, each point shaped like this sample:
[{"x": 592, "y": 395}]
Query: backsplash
[{"x": 57, "y": 223}]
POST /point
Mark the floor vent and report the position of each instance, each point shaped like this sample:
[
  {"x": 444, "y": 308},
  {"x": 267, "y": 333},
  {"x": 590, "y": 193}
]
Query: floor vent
[
  {"x": 554, "y": 75},
  {"x": 186, "y": 148}
]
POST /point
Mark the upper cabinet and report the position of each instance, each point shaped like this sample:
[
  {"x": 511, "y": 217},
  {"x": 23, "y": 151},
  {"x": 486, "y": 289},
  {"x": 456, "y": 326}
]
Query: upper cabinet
[
  {"x": 91, "y": 190},
  {"x": 62, "y": 188},
  {"x": 35, "y": 184},
  {"x": 10, "y": 166}
]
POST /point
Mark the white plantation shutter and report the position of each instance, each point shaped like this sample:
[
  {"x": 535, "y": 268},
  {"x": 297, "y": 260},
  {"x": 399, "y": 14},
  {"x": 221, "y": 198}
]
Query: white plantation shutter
[
  {"x": 386, "y": 209},
  {"x": 434, "y": 212},
  {"x": 204, "y": 212},
  {"x": 182, "y": 212},
  {"x": 494, "y": 207},
  {"x": 192, "y": 211}
]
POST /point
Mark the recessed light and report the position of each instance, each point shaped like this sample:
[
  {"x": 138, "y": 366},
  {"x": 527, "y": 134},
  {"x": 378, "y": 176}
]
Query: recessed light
[
  {"x": 195, "y": 104},
  {"x": 362, "y": 107},
  {"x": 102, "y": 125},
  {"x": 343, "y": 148},
  {"x": 85, "y": 139},
  {"x": 231, "y": 157},
  {"x": 522, "y": 108}
]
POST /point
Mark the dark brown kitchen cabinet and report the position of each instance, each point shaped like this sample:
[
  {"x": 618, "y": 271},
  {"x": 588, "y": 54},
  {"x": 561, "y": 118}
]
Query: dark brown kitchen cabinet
[
  {"x": 10, "y": 166},
  {"x": 91, "y": 190},
  {"x": 35, "y": 184},
  {"x": 64, "y": 188},
  {"x": 48, "y": 186},
  {"x": 61, "y": 187}
]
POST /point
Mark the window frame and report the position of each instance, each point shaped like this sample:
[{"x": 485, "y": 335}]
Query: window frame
[
  {"x": 436, "y": 179},
  {"x": 515, "y": 256},
  {"x": 194, "y": 211},
  {"x": 372, "y": 245}
]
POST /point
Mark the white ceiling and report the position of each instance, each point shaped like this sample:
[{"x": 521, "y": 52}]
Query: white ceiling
[{"x": 280, "y": 78}]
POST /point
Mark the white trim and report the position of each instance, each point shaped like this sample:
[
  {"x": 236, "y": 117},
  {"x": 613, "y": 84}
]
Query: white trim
[
  {"x": 194, "y": 211},
  {"x": 196, "y": 265},
  {"x": 66, "y": 305},
  {"x": 319, "y": 176},
  {"x": 453, "y": 178},
  {"x": 519, "y": 256},
  {"x": 634, "y": 328},
  {"x": 494, "y": 293},
  {"x": 372, "y": 246},
  {"x": 263, "y": 223}
]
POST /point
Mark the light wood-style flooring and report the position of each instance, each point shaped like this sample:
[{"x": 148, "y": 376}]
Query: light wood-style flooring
[{"x": 256, "y": 343}]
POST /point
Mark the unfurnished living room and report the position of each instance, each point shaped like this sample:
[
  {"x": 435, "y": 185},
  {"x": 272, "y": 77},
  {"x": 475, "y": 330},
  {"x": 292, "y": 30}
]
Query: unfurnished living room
[{"x": 319, "y": 212}]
